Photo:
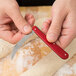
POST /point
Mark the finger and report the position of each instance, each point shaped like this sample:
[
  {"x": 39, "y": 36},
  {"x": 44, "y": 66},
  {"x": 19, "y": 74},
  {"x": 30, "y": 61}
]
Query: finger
[
  {"x": 5, "y": 21},
  {"x": 68, "y": 31},
  {"x": 30, "y": 19},
  {"x": 14, "y": 31},
  {"x": 65, "y": 40},
  {"x": 17, "y": 37},
  {"x": 18, "y": 19},
  {"x": 55, "y": 28},
  {"x": 4, "y": 27},
  {"x": 46, "y": 25},
  {"x": 11, "y": 36},
  {"x": 66, "y": 37}
]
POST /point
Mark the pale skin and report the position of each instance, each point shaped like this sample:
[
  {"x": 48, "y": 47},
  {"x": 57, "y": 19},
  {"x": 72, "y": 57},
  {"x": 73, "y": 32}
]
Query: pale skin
[{"x": 60, "y": 28}]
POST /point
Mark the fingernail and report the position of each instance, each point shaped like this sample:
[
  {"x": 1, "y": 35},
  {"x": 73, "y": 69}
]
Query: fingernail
[
  {"x": 27, "y": 29},
  {"x": 51, "y": 37}
]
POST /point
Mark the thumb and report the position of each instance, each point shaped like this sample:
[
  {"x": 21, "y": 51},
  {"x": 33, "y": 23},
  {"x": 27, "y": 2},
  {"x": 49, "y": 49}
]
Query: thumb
[
  {"x": 18, "y": 19},
  {"x": 55, "y": 27}
]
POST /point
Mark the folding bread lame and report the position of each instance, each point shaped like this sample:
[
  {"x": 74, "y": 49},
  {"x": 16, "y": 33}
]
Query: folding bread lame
[{"x": 58, "y": 50}]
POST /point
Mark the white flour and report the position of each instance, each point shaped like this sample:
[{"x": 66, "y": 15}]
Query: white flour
[{"x": 66, "y": 70}]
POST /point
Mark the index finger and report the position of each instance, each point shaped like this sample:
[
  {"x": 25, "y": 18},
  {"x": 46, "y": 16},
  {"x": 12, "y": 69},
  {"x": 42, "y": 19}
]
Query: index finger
[{"x": 11, "y": 36}]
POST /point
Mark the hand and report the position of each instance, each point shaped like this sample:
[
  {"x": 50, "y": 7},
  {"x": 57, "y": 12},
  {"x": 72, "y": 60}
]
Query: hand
[
  {"x": 61, "y": 28},
  {"x": 12, "y": 25}
]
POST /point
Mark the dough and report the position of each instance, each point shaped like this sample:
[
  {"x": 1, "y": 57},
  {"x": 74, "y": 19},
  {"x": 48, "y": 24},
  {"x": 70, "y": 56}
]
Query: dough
[
  {"x": 5, "y": 48},
  {"x": 25, "y": 58},
  {"x": 69, "y": 69}
]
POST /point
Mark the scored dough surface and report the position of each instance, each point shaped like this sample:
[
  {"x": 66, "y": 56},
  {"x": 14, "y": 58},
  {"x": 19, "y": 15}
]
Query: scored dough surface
[
  {"x": 25, "y": 58},
  {"x": 5, "y": 48}
]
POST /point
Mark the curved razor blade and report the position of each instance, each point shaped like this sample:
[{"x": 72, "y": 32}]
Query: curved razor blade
[{"x": 20, "y": 44}]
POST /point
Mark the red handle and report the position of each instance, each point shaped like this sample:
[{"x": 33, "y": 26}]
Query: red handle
[{"x": 59, "y": 51}]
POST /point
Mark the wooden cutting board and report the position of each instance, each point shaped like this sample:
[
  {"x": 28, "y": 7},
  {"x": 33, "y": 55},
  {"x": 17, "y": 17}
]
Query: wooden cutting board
[{"x": 51, "y": 63}]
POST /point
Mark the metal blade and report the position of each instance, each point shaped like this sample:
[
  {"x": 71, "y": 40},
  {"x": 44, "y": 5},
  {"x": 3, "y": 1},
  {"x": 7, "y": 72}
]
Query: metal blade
[{"x": 20, "y": 43}]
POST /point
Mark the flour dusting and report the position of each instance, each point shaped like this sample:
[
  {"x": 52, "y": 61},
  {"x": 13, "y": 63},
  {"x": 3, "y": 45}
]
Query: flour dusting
[
  {"x": 66, "y": 69},
  {"x": 74, "y": 68},
  {"x": 19, "y": 62}
]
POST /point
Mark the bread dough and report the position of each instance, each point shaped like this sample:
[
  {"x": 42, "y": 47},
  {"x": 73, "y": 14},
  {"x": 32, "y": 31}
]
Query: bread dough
[
  {"x": 25, "y": 58},
  {"x": 69, "y": 69},
  {"x": 5, "y": 48}
]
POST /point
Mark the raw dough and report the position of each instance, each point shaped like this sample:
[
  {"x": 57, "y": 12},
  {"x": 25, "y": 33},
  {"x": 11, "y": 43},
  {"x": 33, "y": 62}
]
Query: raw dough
[
  {"x": 69, "y": 69},
  {"x": 5, "y": 48},
  {"x": 25, "y": 58}
]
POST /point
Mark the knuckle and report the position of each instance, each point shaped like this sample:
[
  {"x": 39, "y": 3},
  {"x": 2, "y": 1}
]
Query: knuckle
[
  {"x": 72, "y": 33},
  {"x": 56, "y": 30},
  {"x": 13, "y": 42},
  {"x": 55, "y": 10},
  {"x": 33, "y": 20},
  {"x": 12, "y": 6},
  {"x": 30, "y": 16},
  {"x": 51, "y": 33}
]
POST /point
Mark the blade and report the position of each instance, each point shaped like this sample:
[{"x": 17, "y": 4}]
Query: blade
[{"x": 20, "y": 43}]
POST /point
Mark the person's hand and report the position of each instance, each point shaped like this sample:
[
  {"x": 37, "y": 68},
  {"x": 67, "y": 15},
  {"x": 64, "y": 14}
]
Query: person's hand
[
  {"x": 12, "y": 25},
  {"x": 61, "y": 28}
]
